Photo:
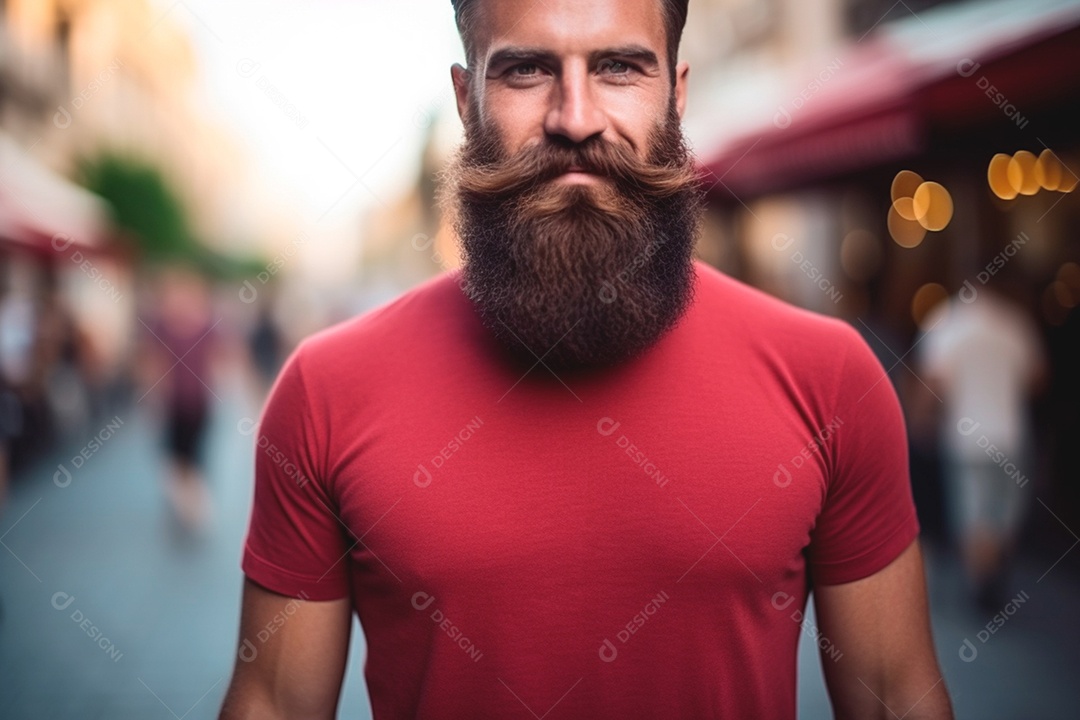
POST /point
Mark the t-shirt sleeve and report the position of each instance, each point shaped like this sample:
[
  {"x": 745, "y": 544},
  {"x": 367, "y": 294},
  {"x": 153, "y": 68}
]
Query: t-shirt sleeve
[
  {"x": 868, "y": 517},
  {"x": 295, "y": 544}
]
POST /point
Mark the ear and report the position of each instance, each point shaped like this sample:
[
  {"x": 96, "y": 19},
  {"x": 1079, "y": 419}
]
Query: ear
[
  {"x": 460, "y": 77},
  {"x": 682, "y": 72}
]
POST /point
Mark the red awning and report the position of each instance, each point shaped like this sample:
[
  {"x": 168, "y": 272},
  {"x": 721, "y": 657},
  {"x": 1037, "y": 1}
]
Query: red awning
[
  {"x": 885, "y": 94},
  {"x": 42, "y": 212}
]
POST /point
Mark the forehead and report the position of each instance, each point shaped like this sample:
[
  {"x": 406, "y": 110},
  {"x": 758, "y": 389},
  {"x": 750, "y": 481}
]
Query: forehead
[{"x": 568, "y": 26}]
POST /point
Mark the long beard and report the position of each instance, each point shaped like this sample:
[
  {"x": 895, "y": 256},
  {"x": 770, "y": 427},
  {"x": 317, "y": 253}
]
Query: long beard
[{"x": 576, "y": 275}]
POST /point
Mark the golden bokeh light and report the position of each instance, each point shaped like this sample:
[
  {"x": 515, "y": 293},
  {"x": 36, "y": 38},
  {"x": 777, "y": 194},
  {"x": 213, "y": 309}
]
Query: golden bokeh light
[
  {"x": 1048, "y": 170},
  {"x": 1026, "y": 174},
  {"x": 1068, "y": 180},
  {"x": 1022, "y": 173},
  {"x": 933, "y": 206},
  {"x": 905, "y": 207},
  {"x": 1069, "y": 273},
  {"x": 998, "y": 176},
  {"x": 906, "y": 233},
  {"x": 1064, "y": 294},
  {"x": 905, "y": 184},
  {"x": 926, "y": 298},
  {"x": 917, "y": 206}
]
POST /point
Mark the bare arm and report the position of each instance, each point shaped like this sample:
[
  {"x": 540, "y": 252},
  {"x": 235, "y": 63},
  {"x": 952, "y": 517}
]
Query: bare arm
[
  {"x": 291, "y": 657},
  {"x": 881, "y": 625}
]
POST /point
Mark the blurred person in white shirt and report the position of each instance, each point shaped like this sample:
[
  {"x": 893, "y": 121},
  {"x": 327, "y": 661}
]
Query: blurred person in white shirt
[{"x": 983, "y": 357}]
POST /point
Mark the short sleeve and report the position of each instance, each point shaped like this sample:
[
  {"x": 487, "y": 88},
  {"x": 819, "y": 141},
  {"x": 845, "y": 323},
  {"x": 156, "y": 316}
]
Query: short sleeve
[
  {"x": 868, "y": 517},
  {"x": 295, "y": 544}
]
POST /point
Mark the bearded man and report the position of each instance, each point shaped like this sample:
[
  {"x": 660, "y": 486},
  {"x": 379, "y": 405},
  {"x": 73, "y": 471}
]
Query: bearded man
[{"x": 587, "y": 476}]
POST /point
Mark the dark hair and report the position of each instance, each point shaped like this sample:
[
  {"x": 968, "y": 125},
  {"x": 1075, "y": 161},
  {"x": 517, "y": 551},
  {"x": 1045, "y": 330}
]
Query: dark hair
[{"x": 674, "y": 22}]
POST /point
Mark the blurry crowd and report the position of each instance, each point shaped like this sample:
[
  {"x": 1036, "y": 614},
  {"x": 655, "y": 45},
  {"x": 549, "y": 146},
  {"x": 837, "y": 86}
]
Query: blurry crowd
[{"x": 184, "y": 333}]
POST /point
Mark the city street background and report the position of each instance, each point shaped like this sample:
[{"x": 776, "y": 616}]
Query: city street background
[{"x": 188, "y": 188}]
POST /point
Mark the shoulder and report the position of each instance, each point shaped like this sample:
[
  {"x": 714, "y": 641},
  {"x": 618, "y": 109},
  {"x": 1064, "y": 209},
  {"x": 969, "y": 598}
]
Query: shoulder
[
  {"x": 821, "y": 363},
  {"x": 417, "y": 316},
  {"x": 771, "y": 326}
]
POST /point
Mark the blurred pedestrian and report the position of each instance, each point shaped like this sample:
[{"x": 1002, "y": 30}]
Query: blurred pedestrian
[
  {"x": 265, "y": 344},
  {"x": 180, "y": 346},
  {"x": 983, "y": 357}
]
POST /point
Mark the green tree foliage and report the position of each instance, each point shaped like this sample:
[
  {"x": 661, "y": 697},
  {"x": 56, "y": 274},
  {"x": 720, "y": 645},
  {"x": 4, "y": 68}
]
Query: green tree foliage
[
  {"x": 143, "y": 205},
  {"x": 149, "y": 212}
]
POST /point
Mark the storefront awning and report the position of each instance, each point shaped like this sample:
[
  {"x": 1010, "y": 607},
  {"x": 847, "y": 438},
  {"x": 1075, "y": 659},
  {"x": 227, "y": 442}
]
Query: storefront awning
[
  {"x": 877, "y": 102},
  {"x": 42, "y": 212}
]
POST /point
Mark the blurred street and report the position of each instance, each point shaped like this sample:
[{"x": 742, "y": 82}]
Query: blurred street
[
  {"x": 169, "y": 603},
  {"x": 188, "y": 190},
  {"x": 163, "y": 608}
]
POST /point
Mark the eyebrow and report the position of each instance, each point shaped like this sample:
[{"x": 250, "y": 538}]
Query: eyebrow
[{"x": 514, "y": 54}]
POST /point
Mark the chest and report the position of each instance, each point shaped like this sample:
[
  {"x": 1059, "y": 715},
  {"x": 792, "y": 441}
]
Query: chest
[{"x": 559, "y": 498}]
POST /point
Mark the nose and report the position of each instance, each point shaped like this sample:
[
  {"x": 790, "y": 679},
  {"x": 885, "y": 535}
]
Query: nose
[{"x": 574, "y": 113}]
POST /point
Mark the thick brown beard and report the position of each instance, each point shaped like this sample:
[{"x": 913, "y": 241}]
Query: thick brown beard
[{"x": 576, "y": 275}]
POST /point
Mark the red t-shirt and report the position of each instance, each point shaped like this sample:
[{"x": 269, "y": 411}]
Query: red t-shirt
[{"x": 632, "y": 543}]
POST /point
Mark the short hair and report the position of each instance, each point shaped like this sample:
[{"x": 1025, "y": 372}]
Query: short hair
[{"x": 674, "y": 22}]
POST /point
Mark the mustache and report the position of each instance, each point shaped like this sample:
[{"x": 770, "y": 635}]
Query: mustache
[{"x": 487, "y": 176}]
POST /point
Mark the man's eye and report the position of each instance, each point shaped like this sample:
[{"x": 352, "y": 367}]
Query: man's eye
[
  {"x": 615, "y": 67},
  {"x": 524, "y": 70}
]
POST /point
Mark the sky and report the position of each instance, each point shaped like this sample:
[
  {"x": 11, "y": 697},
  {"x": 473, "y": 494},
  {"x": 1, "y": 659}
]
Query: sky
[{"x": 330, "y": 98}]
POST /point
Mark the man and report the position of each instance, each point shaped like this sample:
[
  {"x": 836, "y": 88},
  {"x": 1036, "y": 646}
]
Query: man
[
  {"x": 589, "y": 477},
  {"x": 982, "y": 355}
]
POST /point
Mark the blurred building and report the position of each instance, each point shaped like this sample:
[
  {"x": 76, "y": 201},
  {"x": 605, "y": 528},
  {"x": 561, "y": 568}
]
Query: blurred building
[
  {"x": 410, "y": 240},
  {"x": 78, "y": 78},
  {"x": 807, "y": 113},
  {"x": 121, "y": 75}
]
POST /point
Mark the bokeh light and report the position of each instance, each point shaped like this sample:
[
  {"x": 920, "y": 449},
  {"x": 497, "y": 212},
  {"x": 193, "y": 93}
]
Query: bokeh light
[
  {"x": 998, "y": 177},
  {"x": 1022, "y": 173},
  {"x": 1063, "y": 294},
  {"x": 906, "y": 233},
  {"x": 1048, "y": 170},
  {"x": 1025, "y": 174},
  {"x": 1069, "y": 273},
  {"x": 917, "y": 206},
  {"x": 905, "y": 184},
  {"x": 933, "y": 206},
  {"x": 926, "y": 298},
  {"x": 905, "y": 208},
  {"x": 1068, "y": 180}
]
